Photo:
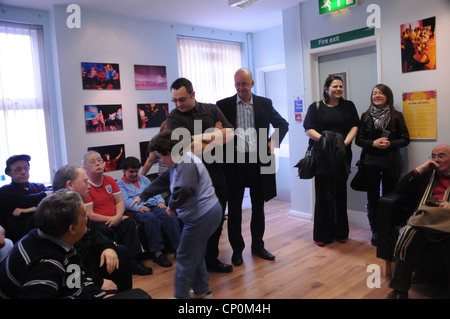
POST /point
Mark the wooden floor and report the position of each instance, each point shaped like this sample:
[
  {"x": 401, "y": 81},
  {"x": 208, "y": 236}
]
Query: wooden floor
[{"x": 301, "y": 269}]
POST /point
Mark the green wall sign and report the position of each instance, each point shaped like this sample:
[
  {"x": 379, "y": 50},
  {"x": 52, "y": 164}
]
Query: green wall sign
[
  {"x": 327, "y": 6},
  {"x": 342, "y": 37}
]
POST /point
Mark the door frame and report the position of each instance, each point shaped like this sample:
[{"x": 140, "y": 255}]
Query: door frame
[
  {"x": 260, "y": 80},
  {"x": 313, "y": 89}
]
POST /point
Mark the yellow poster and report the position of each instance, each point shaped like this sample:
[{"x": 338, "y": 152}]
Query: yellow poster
[{"x": 420, "y": 112}]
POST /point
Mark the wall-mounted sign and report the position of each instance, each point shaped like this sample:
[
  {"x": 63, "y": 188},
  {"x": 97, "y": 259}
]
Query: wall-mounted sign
[
  {"x": 420, "y": 112},
  {"x": 327, "y": 6},
  {"x": 298, "y": 105},
  {"x": 342, "y": 37}
]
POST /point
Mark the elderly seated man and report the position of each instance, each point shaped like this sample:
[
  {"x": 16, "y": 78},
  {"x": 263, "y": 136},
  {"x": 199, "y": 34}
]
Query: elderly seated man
[{"x": 429, "y": 186}]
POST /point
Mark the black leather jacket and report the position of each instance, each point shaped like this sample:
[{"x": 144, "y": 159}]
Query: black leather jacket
[{"x": 399, "y": 137}]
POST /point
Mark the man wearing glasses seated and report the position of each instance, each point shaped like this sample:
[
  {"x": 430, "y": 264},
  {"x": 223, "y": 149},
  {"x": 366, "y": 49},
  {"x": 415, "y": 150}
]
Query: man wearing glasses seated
[{"x": 428, "y": 187}]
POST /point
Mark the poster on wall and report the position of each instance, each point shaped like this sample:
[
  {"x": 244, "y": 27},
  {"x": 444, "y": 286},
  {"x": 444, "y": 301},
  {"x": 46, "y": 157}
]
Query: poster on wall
[
  {"x": 102, "y": 118},
  {"x": 420, "y": 113},
  {"x": 418, "y": 45},
  {"x": 113, "y": 155},
  {"x": 150, "y": 77},
  {"x": 100, "y": 76},
  {"x": 152, "y": 114}
]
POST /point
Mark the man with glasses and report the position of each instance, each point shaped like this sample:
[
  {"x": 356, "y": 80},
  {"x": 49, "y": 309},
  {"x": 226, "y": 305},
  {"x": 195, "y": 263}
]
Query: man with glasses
[
  {"x": 198, "y": 117},
  {"x": 20, "y": 198},
  {"x": 106, "y": 208},
  {"x": 428, "y": 188}
]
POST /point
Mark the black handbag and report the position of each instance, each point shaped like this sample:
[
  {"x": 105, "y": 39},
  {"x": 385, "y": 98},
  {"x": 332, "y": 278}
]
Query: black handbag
[
  {"x": 306, "y": 167},
  {"x": 359, "y": 181}
]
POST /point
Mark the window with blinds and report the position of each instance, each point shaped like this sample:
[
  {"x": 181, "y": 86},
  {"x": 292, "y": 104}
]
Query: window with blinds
[
  {"x": 23, "y": 128},
  {"x": 210, "y": 66}
]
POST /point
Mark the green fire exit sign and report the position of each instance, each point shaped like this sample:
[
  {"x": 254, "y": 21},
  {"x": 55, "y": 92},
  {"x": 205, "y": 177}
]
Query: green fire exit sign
[{"x": 327, "y": 6}]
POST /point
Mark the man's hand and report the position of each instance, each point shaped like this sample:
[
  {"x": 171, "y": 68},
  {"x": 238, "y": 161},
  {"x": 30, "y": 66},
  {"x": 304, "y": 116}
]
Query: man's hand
[
  {"x": 144, "y": 209},
  {"x": 162, "y": 205},
  {"x": 113, "y": 221},
  {"x": 110, "y": 259},
  {"x": 2, "y": 237},
  {"x": 137, "y": 200},
  {"x": 427, "y": 166},
  {"x": 170, "y": 212},
  {"x": 444, "y": 204}
]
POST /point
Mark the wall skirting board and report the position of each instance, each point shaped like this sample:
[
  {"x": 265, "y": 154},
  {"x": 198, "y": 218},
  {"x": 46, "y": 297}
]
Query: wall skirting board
[{"x": 355, "y": 218}]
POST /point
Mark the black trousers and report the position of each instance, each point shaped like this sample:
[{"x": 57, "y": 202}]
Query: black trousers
[
  {"x": 376, "y": 177},
  {"x": 122, "y": 276},
  {"x": 135, "y": 293},
  {"x": 330, "y": 211},
  {"x": 403, "y": 269},
  {"x": 220, "y": 188},
  {"x": 125, "y": 233},
  {"x": 239, "y": 176}
]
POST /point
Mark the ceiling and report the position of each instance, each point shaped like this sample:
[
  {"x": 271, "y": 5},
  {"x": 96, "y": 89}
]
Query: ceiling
[{"x": 207, "y": 13}]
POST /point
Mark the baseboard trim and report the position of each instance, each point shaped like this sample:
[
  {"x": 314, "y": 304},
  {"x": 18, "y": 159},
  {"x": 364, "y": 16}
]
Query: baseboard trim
[
  {"x": 300, "y": 215},
  {"x": 355, "y": 217}
]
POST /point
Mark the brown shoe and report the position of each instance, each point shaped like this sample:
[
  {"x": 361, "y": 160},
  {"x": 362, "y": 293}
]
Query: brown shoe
[{"x": 395, "y": 294}]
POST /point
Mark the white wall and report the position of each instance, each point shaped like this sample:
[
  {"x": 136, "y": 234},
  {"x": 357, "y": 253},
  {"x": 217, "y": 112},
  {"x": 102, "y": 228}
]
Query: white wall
[
  {"x": 118, "y": 39},
  {"x": 106, "y": 38},
  {"x": 302, "y": 24},
  {"x": 114, "y": 39}
]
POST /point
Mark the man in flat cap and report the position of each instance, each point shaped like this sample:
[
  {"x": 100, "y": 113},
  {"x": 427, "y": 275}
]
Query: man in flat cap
[{"x": 19, "y": 199}]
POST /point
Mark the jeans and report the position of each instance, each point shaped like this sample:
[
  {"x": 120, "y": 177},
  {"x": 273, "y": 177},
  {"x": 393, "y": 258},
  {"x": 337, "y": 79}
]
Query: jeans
[
  {"x": 155, "y": 222},
  {"x": 191, "y": 269}
]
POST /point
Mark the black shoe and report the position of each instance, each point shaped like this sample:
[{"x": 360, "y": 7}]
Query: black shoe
[
  {"x": 162, "y": 261},
  {"x": 395, "y": 294},
  {"x": 264, "y": 254},
  {"x": 373, "y": 240},
  {"x": 236, "y": 259},
  {"x": 139, "y": 269},
  {"x": 219, "y": 266}
]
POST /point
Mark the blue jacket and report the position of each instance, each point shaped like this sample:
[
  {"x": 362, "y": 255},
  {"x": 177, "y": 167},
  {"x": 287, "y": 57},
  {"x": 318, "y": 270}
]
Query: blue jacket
[{"x": 130, "y": 192}]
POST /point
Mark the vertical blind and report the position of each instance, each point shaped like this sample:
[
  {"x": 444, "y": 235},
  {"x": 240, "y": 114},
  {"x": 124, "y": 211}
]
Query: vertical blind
[
  {"x": 22, "y": 118},
  {"x": 210, "y": 66}
]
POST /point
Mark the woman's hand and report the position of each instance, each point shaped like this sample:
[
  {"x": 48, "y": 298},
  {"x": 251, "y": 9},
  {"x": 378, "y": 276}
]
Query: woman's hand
[{"x": 381, "y": 143}]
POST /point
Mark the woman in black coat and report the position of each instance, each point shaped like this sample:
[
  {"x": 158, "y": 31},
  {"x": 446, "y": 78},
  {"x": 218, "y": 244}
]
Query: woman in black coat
[
  {"x": 331, "y": 124},
  {"x": 382, "y": 132}
]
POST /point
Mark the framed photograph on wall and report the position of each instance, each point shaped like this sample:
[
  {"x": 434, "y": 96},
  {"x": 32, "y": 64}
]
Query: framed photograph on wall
[
  {"x": 418, "y": 45},
  {"x": 113, "y": 155},
  {"x": 150, "y": 77},
  {"x": 100, "y": 76},
  {"x": 102, "y": 118},
  {"x": 152, "y": 114}
]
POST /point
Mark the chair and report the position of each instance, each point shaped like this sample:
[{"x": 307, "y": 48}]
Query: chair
[{"x": 394, "y": 211}]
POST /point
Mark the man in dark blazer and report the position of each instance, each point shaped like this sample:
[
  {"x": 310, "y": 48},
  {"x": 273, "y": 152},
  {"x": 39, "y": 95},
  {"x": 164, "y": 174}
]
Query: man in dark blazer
[{"x": 252, "y": 162}]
